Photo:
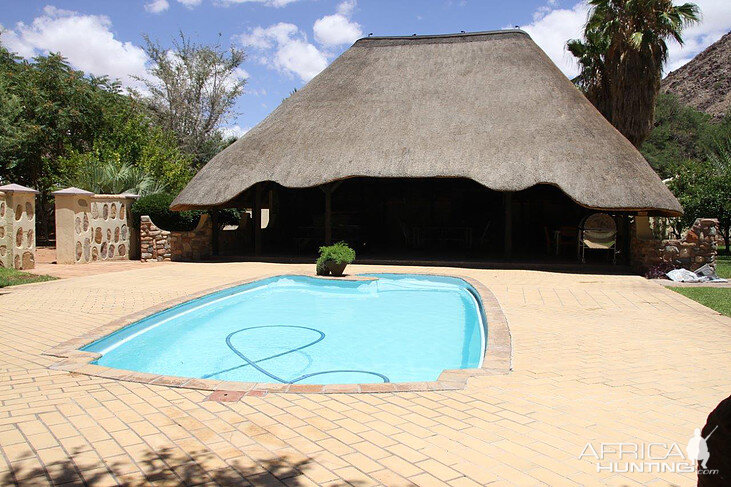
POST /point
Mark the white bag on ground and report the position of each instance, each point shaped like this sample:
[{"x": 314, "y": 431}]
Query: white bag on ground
[
  {"x": 702, "y": 274},
  {"x": 683, "y": 275}
]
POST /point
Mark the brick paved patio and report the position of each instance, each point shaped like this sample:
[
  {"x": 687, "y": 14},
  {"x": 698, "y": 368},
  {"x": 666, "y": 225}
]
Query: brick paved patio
[{"x": 596, "y": 358}]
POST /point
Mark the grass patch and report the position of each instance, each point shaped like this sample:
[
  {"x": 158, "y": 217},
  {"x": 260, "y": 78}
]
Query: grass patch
[
  {"x": 11, "y": 277},
  {"x": 723, "y": 263},
  {"x": 718, "y": 299}
]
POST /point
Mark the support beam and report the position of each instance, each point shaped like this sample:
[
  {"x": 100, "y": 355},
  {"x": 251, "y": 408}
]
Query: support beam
[
  {"x": 256, "y": 216},
  {"x": 508, "y": 204}
]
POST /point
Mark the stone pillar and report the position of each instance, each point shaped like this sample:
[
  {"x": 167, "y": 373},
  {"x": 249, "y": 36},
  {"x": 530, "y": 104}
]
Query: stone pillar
[
  {"x": 91, "y": 227},
  {"x": 17, "y": 226},
  {"x": 73, "y": 224}
]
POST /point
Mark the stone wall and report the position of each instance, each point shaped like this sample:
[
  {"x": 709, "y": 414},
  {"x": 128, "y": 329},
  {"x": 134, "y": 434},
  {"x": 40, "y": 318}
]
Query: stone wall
[
  {"x": 157, "y": 244},
  {"x": 17, "y": 227},
  {"x": 92, "y": 227},
  {"x": 697, "y": 247}
]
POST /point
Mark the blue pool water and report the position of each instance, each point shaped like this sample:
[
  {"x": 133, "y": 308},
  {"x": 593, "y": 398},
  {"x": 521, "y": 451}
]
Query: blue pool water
[{"x": 298, "y": 329}]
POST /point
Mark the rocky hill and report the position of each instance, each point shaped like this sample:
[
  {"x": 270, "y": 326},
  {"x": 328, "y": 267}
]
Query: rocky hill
[{"x": 705, "y": 82}]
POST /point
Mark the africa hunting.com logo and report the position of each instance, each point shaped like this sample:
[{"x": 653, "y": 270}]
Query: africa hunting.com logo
[{"x": 655, "y": 457}]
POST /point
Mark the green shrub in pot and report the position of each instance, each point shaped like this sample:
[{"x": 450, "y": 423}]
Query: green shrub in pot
[{"x": 334, "y": 258}]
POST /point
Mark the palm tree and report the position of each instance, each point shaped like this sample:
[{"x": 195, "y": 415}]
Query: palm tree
[
  {"x": 591, "y": 79},
  {"x": 622, "y": 56},
  {"x": 114, "y": 177}
]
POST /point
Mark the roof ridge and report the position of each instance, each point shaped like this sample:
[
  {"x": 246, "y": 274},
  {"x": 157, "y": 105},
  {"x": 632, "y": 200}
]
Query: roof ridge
[{"x": 446, "y": 36}]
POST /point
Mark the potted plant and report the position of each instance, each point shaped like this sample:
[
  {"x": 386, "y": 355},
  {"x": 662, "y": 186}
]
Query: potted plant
[{"x": 334, "y": 258}]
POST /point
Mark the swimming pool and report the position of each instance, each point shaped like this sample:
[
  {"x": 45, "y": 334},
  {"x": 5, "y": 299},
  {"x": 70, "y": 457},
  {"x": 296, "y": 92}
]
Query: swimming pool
[{"x": 306, "y": 330}]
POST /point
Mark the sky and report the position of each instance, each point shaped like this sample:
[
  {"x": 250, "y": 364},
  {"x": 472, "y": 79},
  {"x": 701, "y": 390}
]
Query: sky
[{"x": 287, "y": 42}]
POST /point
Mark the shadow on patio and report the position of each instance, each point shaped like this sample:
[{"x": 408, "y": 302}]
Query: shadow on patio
[{"x": 167, "y": 466}]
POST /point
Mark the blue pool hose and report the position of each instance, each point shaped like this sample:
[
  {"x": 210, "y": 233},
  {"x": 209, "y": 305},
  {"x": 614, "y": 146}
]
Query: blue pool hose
[{"x": 254, "y": 363}]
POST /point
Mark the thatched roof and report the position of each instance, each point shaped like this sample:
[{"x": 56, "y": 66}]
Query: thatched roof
[{"x": 487, "y": 106}]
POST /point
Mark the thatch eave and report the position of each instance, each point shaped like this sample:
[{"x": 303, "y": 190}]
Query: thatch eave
[{"x": 651, "y": 211}]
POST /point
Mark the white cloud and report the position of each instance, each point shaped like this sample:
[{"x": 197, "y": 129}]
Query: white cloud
[
  {"x": 157, "y": 6},
  {"x": 262, "y": 38},
  {"x": 268, "y": 3},
  {"x": 346, "y": 7},
  {"x": 285, "y": 47},
  {"x": 237, "y": 76},
  {"x": 190, "y": 3},
  {"x": 553, "y": 27},
  {"x": 337, "y": 29},
  {"x": 715, "y": 22},
  {"x": 10, "y": 41},
  {"x": 292, "y": 53},
  {"x": 255, "y": 91},
  {"x": 85, "y": 40},
  {"x": 300, "y": 57},
  {"x": 234, "y": 131},
  {"x": 240, "y": 73}
]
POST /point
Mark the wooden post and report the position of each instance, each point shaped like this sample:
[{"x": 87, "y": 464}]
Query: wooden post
[
  {"x": 256, "y": 210},
  {"x": 508, "y": 203}
]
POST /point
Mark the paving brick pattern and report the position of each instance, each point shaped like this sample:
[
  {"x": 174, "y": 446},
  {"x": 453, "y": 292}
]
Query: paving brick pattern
[{"x": 596, "y": 358}]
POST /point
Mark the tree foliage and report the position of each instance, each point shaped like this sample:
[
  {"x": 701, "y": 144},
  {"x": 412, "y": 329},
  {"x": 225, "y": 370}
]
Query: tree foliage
[
  {"x": 115, "y": 177},
  {"x": 52, "y": 110},
  {"x": 157, "y": 207},
  {"x": 704, "y": 187},
  {"x": 680, "y": 133},
  {"x": 622, "y": 55},
  {"x": 693, "y": 152},
  {"x": 58, "y": 125},
  {"x": 192, "y": 91},
  {"x": 136, "y": 149}
]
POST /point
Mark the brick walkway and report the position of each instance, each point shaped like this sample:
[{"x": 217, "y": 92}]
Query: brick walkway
[
  {"x": 46, "y": 265},
  {"x": 596, "y": 359}
]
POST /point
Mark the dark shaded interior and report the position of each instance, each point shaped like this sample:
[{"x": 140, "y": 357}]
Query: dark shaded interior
[{"x": 416, "y": 218}]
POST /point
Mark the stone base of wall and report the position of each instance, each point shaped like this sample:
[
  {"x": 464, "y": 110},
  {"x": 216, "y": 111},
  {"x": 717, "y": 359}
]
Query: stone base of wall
[
  {"x": 697, "y": 248},
  {"x": 154, "y": 241},
  {"x": 193, "y": 245},
  {"x": 160, "y": 245}
]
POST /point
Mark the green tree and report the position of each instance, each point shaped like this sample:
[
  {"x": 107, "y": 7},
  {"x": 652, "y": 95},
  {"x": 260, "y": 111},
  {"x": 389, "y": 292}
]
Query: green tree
[
  {"x": 704, "y": 187},
  {"x": 680, "y": 133},
  {"x": 115, "y": 177},
  {"x": 192, "y": 91},
  {"x": 59, "y": 125},
  {"x": 622, "y": 55},
  {"x": 593, "y": 76},
  {"x": 51, "y": 110},
  {"x": 133, "y": 145}
]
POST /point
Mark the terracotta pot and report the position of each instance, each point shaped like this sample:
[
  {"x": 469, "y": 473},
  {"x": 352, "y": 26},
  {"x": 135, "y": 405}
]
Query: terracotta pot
[{"x": 336, "y": 268}]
